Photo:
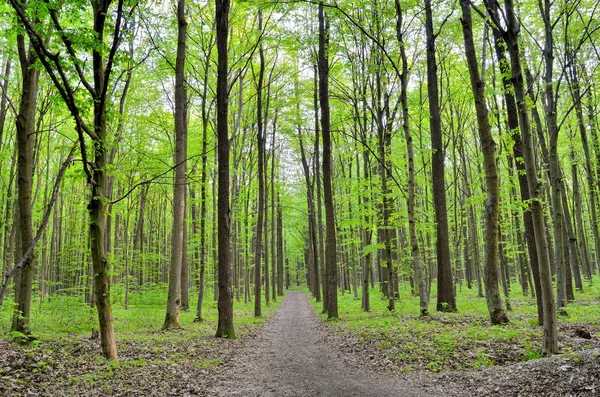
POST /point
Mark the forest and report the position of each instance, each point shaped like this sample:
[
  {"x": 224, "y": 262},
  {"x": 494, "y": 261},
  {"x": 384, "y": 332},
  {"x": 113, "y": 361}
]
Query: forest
[{"x": 207, "y": 197}]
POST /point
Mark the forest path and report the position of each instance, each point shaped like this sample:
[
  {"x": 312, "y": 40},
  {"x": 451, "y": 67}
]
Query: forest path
[{"x": 295, "y": 354}]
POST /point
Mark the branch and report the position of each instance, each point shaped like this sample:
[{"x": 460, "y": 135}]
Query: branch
[
  {"x": 111, "y": 55},
  {"x": 69, "y": 46}
]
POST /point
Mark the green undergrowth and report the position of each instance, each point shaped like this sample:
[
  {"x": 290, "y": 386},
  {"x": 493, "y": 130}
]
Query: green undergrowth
[
  {"x": 66, "y": 349},
  {"x": 63, "y": 316},
  {"x": 463, "y": 340}
]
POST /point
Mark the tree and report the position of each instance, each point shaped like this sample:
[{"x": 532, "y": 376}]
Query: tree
[
  {"x": 96, "y": 172},
  {"x": 180, "y": 182},
  {"x": 330, "y": 239},
  {"x": 225, "y": 304},
  {"x": 511, "y": 37},
  {"x": 25, "y": 136},
  {"x": 410, "y": 156},
  {"x": 492, "y": 182},
  {"x": 261, "y": 178},
  {"x": 445, "y": 294}
]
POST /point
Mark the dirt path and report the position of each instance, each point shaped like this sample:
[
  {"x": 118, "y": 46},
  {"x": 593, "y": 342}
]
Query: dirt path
[{"x": 296, "y": 355}]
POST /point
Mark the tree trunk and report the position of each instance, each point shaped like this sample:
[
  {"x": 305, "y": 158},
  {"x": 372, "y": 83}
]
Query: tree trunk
[
  {"x": 225, "y": 304},
  {"x": 550, "y": 344},
  {"x": 330, "y": 240},
  {"x": 179, "y": 187},
  {"x": 279, "y": 247},
  {"x": 261, "y": 180},
  {"x": 273, "y": 216},
  {"x": 24, "y": 140},
  {"x": 421, "y": 284},
  {"x": 492, "y": 180},
  {"x": 573, "y": 79},
  {"x": 202, "y": 252},
  {"x": 445, "y": 295},
  {"x": 4, "y": 96},
  {"x": 577, "y": 208},
  {"x": 513, "y": 125},
  {"x": 320, "y": 258},
  {"x": 313, "y": 255}
]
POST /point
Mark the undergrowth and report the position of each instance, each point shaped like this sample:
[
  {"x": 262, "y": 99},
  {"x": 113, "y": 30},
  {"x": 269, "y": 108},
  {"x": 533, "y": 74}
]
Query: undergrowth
[
  {"x": 65, "y": 355},
  {"x": 463, "y": 340}
]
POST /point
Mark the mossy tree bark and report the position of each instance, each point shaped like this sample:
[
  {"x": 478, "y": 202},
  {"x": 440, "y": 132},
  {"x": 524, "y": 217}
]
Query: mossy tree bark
[{"x": 25, "y": 123}]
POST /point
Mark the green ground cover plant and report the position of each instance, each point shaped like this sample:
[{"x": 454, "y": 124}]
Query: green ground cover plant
[
  {"x": 463, "y": 340},
  {"x": 65, "y": 353}
]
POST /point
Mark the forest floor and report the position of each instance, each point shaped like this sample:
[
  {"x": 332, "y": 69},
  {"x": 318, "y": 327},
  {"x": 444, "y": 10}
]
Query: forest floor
[{"x": 295, "y": 353}]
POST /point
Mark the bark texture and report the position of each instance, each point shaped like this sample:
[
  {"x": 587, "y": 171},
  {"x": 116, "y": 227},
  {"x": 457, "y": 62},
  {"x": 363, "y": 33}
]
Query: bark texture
[
  {"x": 445, "y": 294},
  {"x": 225, "y": 300},
  {"x": 492, "y": 181}
]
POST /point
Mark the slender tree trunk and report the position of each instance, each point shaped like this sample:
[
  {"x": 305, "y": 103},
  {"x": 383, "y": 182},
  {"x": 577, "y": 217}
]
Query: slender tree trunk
[
  {"x": 445, "y": 298},
  {"x": 330, "y": 242},
  {"x": 202, "y": 252},
  {"x": 225, "y": 305},
  {"x": 320, "y": 258},
  {"x": 313, "y": 255},
  {"x": 261, "y": 181},
  {"x": 550, "y": 344},
  {"x": 179, "y": 187},
  {"x": 368, "y": 235},
  {"x": 273, "y": 216},
  {"x": 573, "y": 79},
  {"x": 24, "y": 140},
  {"x": 585, "y": 259},
  {"x": 279, "y": 247},
  {"x": 573, "y": 264},
  {"x": 492, "y": 180},
  {"x": 596, "y": 145},
  {"x": 420, "y": 281},
  {"x": 513, "y": 125}
]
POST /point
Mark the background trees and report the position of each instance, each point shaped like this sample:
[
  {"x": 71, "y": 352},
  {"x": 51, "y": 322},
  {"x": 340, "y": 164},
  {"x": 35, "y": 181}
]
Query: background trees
[{"x": 360, "y": 110}]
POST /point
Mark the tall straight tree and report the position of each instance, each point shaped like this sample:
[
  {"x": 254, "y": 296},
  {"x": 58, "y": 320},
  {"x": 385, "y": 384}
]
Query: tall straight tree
[
  {"x": 25, "y": 135},
  {"x": 261, "y": 177},
  {"x": 492, "y": 179},
  {"x": 513, "y": 125},
  {"x": 279, "y": 246},
  {"x": 445, "y": 293},
  {"x": 99, "y": 92},
  {"x": 202, "y": 252},
  {"x": 551, "y": 102},
  {"x": 180, "y": 183},
  {"x": 330, "y": 238},
  {"x": 511, "y": 38},
  {"x": 225, "y": 302},
  {"x": 410, "y": 157}
]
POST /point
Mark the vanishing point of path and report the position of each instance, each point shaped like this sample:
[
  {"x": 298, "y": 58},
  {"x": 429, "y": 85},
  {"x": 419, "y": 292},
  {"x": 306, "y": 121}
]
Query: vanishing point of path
[{"x": 296, "y": 355}]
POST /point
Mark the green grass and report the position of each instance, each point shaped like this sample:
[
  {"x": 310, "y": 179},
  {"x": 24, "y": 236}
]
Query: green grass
[
  {"x": 63, "y": 316},
  {"x": 465, "y": 339},
  {"x": 63, "y": 360}
]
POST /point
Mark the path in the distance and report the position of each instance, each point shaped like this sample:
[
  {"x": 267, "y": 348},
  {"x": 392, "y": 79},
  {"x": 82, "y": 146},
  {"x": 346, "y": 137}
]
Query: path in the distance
[{"x": 295, "y": 355}]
